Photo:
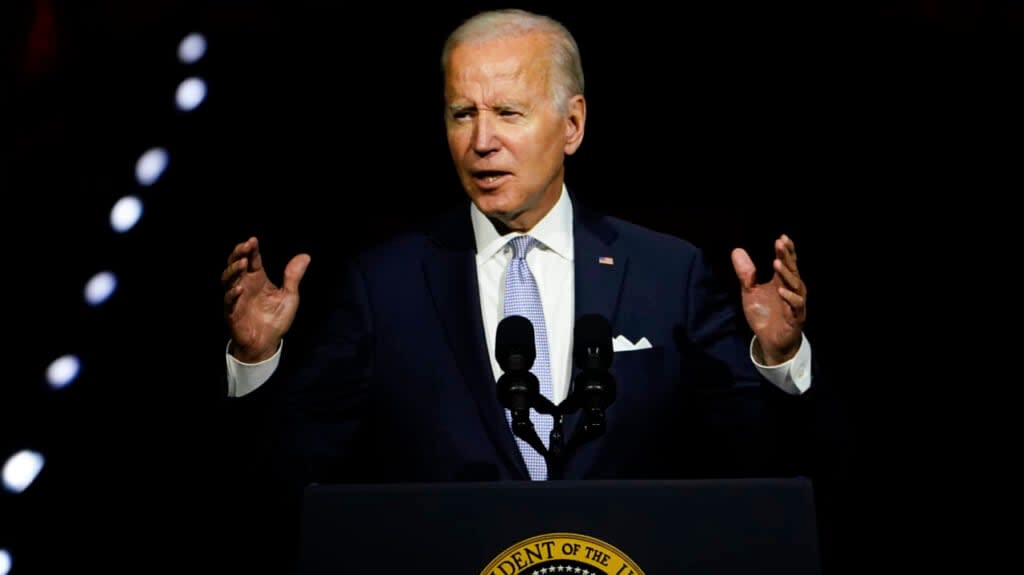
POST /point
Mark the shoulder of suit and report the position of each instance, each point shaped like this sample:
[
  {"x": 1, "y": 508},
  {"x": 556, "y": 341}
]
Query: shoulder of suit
[
  {"x": 449, "y": 230},
  {"x": 640, "y": 237}
]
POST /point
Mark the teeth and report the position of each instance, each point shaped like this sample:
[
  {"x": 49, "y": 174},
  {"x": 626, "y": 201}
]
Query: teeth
[{"x": 491, "y": 178}]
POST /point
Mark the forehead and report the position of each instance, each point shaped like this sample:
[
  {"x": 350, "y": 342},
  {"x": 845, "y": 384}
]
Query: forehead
[{"x": 481, "y": 69}]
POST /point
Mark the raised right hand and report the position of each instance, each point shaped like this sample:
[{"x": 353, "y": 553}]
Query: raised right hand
[{"x": 258, "y": 313}]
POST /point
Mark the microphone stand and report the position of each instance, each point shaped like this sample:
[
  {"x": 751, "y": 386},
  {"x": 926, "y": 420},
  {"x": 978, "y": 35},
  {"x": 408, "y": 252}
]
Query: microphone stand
[
  {"x": 554, "y": 455},
  {"x": 593, "y": 391}
]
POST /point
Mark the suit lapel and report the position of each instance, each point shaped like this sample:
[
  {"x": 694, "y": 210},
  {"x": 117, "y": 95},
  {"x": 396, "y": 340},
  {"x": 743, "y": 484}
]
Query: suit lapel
[
  {"x": 450, "y": 271},
  {"x": 600, "y": 266}
]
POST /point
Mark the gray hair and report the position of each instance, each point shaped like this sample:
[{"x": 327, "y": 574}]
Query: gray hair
[{"x": 495, "y": 24}]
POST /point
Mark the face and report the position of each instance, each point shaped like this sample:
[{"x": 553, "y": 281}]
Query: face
[{"x": 506, "y": 135}]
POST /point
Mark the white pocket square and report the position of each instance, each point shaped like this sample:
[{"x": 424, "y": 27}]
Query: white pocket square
[{"x": 620, "y": 343}]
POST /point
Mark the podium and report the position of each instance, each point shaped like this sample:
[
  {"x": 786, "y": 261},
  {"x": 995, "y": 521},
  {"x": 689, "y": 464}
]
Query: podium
[{"x": 595, "y": 527}]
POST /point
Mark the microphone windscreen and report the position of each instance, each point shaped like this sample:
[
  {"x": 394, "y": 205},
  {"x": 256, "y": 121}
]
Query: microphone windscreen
[{"x": 514, "y": 345}]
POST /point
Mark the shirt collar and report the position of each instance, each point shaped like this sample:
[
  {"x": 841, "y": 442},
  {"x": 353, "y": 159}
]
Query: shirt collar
[{"x": 553, "y": 231}]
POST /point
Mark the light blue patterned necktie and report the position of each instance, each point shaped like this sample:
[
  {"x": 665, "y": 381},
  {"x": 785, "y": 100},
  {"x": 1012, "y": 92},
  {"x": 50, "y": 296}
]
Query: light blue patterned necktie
[{"x": 523, "y": 298}]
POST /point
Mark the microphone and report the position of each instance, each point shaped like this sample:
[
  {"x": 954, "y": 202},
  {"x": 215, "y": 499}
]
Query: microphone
[
  {"x": 515, "y": 351},
  {"x": 514, "y": 345},
  {"x": 518, "y": 387},
  {"x": 594, "y": 388}
]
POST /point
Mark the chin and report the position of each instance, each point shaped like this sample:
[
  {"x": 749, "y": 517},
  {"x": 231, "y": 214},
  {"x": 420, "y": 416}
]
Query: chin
[{"x": 494, "y": 203}]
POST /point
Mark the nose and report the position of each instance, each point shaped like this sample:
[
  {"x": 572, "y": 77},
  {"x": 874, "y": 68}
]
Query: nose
[{"x": 485, "y": 139}]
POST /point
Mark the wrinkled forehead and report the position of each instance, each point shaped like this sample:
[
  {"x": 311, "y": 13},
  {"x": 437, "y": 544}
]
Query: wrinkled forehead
[{"x": 516, "y": 63}]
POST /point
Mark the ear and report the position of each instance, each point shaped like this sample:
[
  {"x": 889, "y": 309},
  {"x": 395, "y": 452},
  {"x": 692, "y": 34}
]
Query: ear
[{"x": 575, "y": 120}]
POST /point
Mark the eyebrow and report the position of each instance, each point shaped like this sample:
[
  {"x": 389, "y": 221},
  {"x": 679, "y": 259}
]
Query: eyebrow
[
  {"x": 456, "y": 108},
  {"x": 504, "y": 107}
]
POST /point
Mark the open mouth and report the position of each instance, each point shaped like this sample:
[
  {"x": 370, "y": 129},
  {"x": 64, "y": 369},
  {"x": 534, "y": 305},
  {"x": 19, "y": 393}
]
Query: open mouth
[{"x": 489, "y": 179}]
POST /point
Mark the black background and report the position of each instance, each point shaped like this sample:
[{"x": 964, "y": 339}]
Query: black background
[{"x": 881, "y": 136}]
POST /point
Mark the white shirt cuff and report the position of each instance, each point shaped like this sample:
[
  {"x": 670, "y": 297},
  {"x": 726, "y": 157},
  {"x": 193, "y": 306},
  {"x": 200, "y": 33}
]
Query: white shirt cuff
[
  {"x": 793, "y": 376},
  {"x": 244, "y": 378}
]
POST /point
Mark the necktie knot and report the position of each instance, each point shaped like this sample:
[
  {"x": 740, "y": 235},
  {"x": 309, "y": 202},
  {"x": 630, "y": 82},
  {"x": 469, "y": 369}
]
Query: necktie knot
[{"x": 521, "y": 245}]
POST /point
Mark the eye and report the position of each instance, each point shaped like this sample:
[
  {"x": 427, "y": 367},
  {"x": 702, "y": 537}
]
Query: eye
[{"x": 509, "y": 114}]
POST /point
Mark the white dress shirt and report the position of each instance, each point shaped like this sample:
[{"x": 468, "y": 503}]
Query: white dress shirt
[{"x": 551, "y": 263}]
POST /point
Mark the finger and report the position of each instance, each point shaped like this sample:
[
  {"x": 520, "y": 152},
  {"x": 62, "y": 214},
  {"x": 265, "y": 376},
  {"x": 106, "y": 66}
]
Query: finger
[
  {"x": 233, "y": 271},
  {"x": 789, "y": 277},
  {"x": 255, "y": 260},
  {"x": 745, "y": 270},
  {"x": 231, "y": 296},
  {"x": 785, "y": 250},
  {"x": 294, "y": 271},
  {"x": 241, "y": 250},
  {"x": 797, "y": 303}
]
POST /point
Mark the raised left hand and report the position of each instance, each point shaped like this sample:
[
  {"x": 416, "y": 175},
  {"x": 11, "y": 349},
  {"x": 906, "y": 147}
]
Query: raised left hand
[{"x": 775, "y": 310}]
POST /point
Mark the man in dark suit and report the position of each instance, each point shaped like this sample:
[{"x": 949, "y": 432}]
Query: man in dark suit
[{"x": 402, "y": 385}]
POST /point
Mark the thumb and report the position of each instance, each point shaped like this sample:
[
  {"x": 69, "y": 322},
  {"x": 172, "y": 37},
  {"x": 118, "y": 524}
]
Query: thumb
[
  {"x": 744, "y": 266},
  {"x": 294, "y": 271}
]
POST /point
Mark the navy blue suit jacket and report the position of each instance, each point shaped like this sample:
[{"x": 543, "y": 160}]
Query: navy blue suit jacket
[{"x": 399, "y": 386}]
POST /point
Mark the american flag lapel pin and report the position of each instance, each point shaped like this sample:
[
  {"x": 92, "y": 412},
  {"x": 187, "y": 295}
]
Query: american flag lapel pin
[{"x": 606, "y": 260}]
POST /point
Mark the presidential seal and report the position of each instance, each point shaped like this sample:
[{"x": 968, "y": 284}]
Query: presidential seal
[{"x": 562, "y": 554}]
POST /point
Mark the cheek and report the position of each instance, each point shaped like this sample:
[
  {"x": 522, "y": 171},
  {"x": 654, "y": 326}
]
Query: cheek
[
  {"x": 456, "y": 142},
  {"x": 540, "y": 144}
]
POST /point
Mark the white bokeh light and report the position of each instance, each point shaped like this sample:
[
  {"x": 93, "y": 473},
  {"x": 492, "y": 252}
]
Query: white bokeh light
[
  {"x": 62, "y": 371},
  {"x": 21, "y": 470},
  {"x": 191, "y": 92},
  {"x": 125, "y": 213},
  {"x": 192, "y": 48},
  {"x": 151, "y": 166},
  {"x": 5, "y": 562},
  {"x": 100, "y": 287}
]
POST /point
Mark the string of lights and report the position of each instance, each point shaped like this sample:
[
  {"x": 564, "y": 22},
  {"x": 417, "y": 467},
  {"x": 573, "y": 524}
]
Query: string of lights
[{"x": 22, "y": 468}]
